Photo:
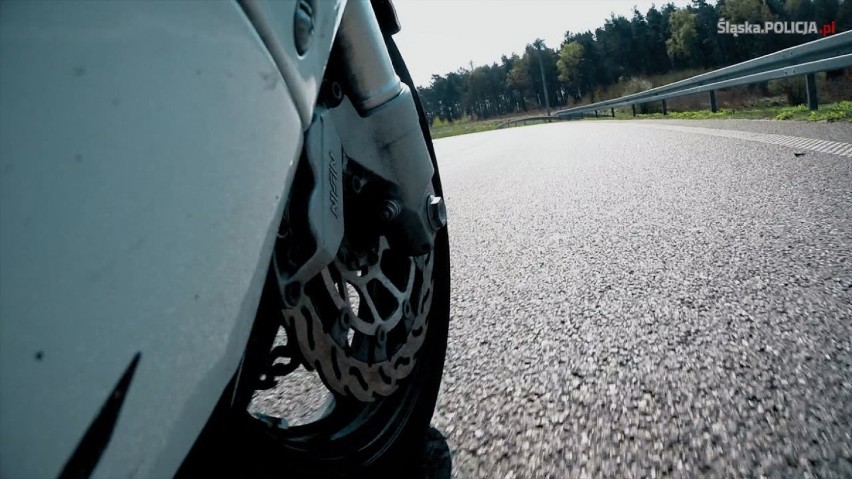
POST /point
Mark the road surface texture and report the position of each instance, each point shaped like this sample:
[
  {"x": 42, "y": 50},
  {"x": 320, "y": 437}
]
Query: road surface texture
[{"x": 646, "y": 298}]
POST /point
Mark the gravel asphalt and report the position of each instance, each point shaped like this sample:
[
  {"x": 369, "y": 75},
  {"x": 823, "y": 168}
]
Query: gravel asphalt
[{"x": 636, "y": 302}]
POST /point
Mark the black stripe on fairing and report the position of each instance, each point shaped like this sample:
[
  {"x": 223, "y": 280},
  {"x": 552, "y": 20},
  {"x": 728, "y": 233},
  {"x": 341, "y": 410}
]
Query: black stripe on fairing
[{"x": 82, "y": 463}]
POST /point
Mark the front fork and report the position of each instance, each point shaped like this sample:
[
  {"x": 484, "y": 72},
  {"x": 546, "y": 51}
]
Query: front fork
[{"x": 371, "y": 133}]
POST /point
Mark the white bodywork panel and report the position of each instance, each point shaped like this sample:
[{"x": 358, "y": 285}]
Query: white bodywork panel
[
  {"x": 300, "y": 73},
  {"x": 146, "y": 150}
]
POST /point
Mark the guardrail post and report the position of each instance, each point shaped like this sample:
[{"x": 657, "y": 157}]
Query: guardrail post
[
  {"x": 713, "y": 107},
  {"x": 634, "y": 109},
  {"x": 665, "y": 109},
  {"x": 612, "y": 110},
  {"x": 810, "y": 85}
]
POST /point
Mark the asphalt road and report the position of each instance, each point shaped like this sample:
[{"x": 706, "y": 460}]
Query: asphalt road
[{"x": 635, "y": 300}]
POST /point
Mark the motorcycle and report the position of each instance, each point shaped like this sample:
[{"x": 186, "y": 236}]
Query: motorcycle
[{"x": 199, "y": 200}]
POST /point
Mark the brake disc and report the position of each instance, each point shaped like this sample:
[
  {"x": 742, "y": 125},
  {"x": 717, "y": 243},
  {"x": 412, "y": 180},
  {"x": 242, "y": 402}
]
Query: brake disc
[{"x": 361, "y": 326}]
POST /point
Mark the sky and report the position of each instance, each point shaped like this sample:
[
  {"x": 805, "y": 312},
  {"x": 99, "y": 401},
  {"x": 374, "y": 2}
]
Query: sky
[{"x": 441, "y": 36}]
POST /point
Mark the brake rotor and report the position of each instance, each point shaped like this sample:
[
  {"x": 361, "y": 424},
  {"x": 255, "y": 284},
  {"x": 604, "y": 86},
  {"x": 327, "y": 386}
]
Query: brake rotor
[{"x": 361, "y": 325}]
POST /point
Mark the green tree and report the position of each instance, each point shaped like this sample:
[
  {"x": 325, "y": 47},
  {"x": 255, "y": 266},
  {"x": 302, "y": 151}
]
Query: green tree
[
  {"x": 590, "y": 68},
  {"x": 844, "y": 16},
  {"x": 445, "y": 96},
  {"x": 642, "y": 40},
  {"x": 799, "y": 10},
  {"x": 510, "y": 94},
  {"x": 520, "y": 80},
  {"x": 615, "y": 42},
  {"x": 657, "y": 54},
  {"x": 825, "y": 11},
  {"x": 683, "y": 43},
  {"x": 709, "y": 52},
  {"x": 543, "y": 59},
  {"x": 752, "y": 11},
  {"x": 570, "y": 57}
]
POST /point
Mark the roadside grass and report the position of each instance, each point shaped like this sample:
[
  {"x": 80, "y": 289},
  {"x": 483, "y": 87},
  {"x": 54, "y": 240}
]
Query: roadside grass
[
  {"x": 443, "y": 129},
  {"x": 829, "y": 112}
]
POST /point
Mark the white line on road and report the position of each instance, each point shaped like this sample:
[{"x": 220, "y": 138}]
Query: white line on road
[{"x": 822, "y": 146}]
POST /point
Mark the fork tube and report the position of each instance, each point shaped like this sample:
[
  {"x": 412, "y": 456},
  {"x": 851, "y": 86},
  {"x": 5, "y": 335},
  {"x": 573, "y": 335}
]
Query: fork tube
[{"x": 371, "y": 79}]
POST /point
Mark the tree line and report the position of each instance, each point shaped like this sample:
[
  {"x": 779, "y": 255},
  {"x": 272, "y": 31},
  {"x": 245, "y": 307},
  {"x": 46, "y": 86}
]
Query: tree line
[{"x": 659, "y": 41}]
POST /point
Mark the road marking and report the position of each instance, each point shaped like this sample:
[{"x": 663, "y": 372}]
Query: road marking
[{"x": 796, "y": 142}]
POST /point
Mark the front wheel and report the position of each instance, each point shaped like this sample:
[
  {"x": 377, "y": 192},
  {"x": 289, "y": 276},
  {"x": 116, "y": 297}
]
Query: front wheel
[{"x": 366, "y": 343}]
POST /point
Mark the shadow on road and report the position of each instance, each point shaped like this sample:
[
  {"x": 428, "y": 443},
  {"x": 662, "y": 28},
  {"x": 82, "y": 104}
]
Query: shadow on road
[
  {"x": 434, "y": 462},
  {"x": 437, "y": 461}
]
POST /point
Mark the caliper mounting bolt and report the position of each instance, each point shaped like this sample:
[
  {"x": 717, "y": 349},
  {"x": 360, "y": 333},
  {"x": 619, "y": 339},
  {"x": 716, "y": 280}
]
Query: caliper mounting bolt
[
  {"x": 292, "y": 294},
  {"x": 331, "y": 93},
  {"x": 389, "y": 210},
  {"x": 344, "y": 318}
]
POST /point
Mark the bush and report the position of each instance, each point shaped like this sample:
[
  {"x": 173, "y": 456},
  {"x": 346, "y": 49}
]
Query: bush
[
  {"x": 791, "y": 112},
  {"x": 840, "y": 111},
  {"x": 635, "y": 85},
  {"x": 439, "y": 122},
  {"x": 792, "y": 88}
]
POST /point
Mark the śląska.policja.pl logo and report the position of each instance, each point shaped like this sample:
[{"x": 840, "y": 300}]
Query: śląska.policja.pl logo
[{"x": 796, "y": 28}]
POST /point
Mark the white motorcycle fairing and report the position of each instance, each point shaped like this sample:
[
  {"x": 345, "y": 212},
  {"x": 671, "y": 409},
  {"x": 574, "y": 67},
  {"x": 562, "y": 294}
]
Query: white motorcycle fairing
[{"x": 146, "y": 152}]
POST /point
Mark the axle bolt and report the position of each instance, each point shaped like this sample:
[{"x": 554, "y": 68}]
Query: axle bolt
[{"x": 436, "y": 211}]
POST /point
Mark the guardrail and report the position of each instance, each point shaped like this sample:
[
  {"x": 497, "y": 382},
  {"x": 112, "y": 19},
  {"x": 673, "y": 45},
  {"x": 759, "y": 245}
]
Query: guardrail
[{"x": 830, "y": 53}]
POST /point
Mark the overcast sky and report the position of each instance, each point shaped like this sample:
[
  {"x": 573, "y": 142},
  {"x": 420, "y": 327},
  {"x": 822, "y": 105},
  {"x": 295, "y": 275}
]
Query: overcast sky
[{"x": 440, "y": 36}]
